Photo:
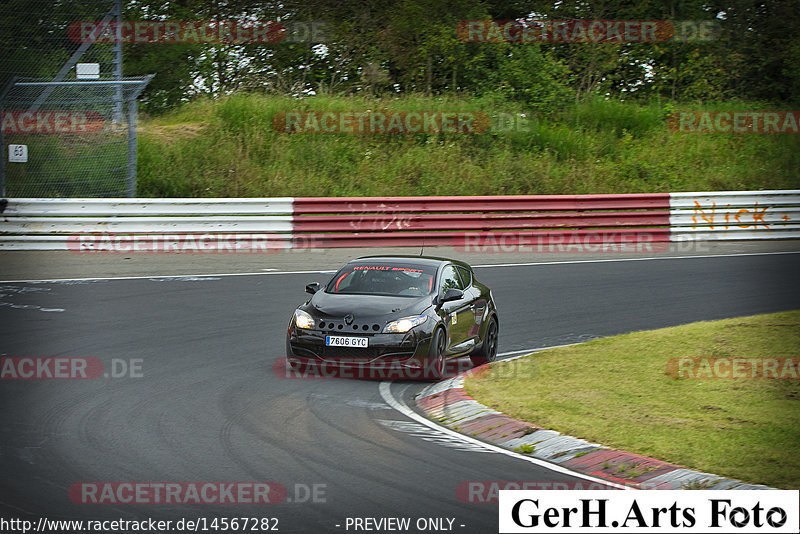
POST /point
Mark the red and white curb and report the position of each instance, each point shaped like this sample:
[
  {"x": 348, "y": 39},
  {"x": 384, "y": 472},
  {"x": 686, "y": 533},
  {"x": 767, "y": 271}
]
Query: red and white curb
[{"x": 447, "y": 403}]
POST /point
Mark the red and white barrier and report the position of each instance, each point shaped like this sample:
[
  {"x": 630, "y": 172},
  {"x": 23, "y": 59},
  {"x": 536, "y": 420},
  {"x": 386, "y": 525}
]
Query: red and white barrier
[
  {"x": 733, "y": 215},
  {"x": 280, "y": 223}
]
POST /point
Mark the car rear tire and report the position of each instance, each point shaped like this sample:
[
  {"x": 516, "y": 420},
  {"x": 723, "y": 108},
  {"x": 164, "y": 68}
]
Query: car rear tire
[
  {"x": 436, "y": 355},
  {"x": 488, "y": 351}
]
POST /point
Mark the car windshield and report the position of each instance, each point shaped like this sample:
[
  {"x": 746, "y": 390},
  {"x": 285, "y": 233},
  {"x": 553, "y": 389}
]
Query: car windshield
[{"x": 395, "y": 279}]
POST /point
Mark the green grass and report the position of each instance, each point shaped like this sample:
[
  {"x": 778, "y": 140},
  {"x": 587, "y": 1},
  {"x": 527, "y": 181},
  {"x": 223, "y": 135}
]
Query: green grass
[
  {"x": 228, "y": 148},
  {"x": 74, "y": 165},
  {"x": 526, "y": 448},
  {"x": 617, "y": 391}
]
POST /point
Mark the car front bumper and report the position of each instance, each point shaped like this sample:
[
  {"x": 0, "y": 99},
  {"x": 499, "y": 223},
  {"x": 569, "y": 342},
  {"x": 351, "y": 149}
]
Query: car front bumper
[{"x": 404, "y": 350}]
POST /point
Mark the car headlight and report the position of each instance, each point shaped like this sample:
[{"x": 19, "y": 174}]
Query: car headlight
[
  {"x": 401, "y": 326},
  {"x": 303, "y": 320}
]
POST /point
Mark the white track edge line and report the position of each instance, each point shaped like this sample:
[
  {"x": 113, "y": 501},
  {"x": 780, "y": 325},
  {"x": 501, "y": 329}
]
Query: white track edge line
[
  {"x": 483, "y": 266},
  {"x": 610, "y": 260},
  {"x": 206, "y": 275},
  {"x": 527, "y": 352}
]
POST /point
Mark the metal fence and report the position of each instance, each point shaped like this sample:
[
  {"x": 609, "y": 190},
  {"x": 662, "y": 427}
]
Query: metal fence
[
  {"x": 36, "y": 41},
  {"x": 65, "y": 135},
  {"x": 70, "y": 138}
]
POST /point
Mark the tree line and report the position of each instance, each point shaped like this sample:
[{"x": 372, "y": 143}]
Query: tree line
[{"x": 383, "y": 47}]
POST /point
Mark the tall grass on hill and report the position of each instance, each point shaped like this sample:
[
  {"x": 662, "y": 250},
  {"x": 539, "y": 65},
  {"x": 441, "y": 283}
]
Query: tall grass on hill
[{"x": 229, "y": 148}]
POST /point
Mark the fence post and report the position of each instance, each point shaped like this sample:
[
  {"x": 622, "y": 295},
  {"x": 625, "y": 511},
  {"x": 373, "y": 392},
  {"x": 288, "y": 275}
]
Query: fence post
[
  {"x": 3, "y": 156},
  {"x": 117, "y": 116},
  {"x": 133, "y": 108},
  {"x": 3, "y": 150}
]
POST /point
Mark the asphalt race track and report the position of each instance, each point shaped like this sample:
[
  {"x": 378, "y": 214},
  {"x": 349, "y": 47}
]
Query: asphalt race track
[{"x": 209, "y": 407}]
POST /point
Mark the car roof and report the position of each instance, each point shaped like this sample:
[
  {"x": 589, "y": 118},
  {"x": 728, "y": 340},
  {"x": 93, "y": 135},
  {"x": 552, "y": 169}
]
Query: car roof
[{"x": 424, "y": 260}]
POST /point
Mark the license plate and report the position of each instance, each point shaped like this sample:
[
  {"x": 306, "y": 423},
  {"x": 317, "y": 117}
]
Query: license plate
[{"x": 346, "y": 341}]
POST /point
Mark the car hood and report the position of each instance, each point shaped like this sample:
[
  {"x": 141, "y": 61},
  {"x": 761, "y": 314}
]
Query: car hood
[{"x": 338, "y": 305}]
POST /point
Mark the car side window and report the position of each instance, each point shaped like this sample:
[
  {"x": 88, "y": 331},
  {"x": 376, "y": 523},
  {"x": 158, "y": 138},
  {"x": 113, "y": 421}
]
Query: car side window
[
  {"x": 450, "y": 279},
  {"x": 465, "y": 275}
]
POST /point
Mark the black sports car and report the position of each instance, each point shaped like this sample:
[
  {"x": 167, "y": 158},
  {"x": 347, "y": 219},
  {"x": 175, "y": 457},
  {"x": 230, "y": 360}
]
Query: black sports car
[{"x": 403, "y": 314}]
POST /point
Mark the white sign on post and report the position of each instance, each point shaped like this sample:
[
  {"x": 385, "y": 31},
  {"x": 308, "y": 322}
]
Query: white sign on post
[
  {"x": 18, "y": 153},
  {"x": 87, "y": 71}
]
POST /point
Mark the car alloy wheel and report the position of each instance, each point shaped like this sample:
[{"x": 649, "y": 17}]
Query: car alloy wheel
[
  {"x": 437, "y": 354},
  {"x": 488, "y": 351}
]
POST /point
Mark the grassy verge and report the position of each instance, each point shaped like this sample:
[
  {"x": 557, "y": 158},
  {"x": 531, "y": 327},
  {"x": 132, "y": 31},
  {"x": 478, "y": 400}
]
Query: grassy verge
[
  {"x": 620, "y": 392},
  {"x": 229, "y": 148}
]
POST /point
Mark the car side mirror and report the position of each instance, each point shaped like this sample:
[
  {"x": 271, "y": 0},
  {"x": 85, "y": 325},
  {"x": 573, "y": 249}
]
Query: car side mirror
[
  {"x": 451, "y": 294},
  {"x": 312, "y": 288}
]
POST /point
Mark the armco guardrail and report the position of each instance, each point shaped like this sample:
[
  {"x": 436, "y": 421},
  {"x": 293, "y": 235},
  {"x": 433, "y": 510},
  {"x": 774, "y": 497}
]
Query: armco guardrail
[
  {"x": 412, "y": 221},
  {"x": 60, "y": 224},
  {"x": 75, "y": 224},
  {"x": 730, "y": 215}
]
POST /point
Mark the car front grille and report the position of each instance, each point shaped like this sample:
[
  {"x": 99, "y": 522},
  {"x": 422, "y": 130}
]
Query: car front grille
[
  {"x": 340, "y": 328},
  {"x": 350, "y": 354}
]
